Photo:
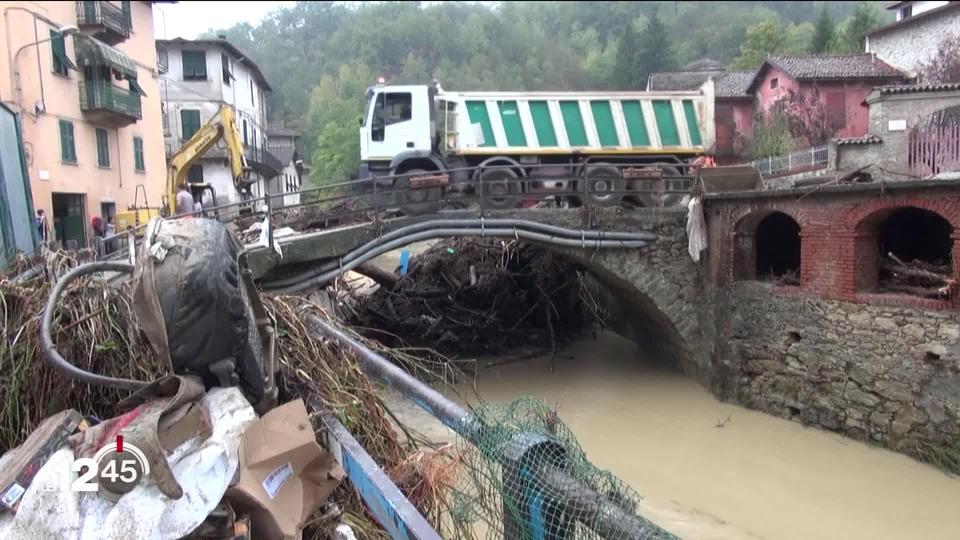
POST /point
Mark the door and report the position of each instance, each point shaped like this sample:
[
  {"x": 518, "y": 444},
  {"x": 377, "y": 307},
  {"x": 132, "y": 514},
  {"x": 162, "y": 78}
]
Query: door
[
  {"x": 68, "y": 220},
  {"x": 394, "y": 128}
]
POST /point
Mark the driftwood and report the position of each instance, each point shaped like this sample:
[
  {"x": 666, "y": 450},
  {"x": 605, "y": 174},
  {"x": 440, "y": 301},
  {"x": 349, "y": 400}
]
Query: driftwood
[
  {"x": 380, "y": 276},
  {"x": 919, "y": 278}
]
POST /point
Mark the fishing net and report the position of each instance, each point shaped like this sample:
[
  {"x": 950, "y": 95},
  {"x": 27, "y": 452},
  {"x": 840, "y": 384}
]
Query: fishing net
[{"x": 524, "y": 476}]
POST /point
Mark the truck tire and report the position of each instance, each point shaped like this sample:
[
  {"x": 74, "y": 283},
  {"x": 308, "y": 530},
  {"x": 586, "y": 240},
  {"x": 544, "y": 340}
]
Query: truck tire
[
  {"x": 206, "y": 312},
  {"x": 670, "y": 199},
  {"x": 499, "y": 189},
  {"x": 417, "y": 201},
  {"x": 602, "y": 182}
]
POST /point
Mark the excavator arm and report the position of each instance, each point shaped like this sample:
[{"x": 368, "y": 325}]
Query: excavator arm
[{"x": 222, "y": 125}]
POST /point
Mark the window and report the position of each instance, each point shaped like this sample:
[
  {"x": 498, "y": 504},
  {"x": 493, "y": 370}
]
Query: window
[
  {"x": 252, "y": 100},
  {"x": 163, "y": 60},
  {"x": 194, "y": 65},
  {"x": 103, "y": 148},
  {"x": 138, "y": 164},
  {"x": 390, "y": 109},
  {"x": 225, "y": 69},
  {"x": 68, "y": 150},
  {"x": 189, "y": 122},
  {"x": 125, "y": 9},
  {"x": 195, "y": 174},
  {"x": 245, "y": 142},
  {"x": 906, "y": 12},
  {"x": 774, "y": 82},
  {"x": 836, "y": 103},
  {"x": 59, "y": 53}
]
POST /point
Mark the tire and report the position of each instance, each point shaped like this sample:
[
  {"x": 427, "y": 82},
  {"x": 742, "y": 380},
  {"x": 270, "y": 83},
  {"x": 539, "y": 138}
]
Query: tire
[
  {"x": 499, "y": 189},
  {"x": 417, "y": 201},
  {"x": 602, "y": 182},
  {"x": 205, "y": 308},
  {"x": 670, "y": 199}
]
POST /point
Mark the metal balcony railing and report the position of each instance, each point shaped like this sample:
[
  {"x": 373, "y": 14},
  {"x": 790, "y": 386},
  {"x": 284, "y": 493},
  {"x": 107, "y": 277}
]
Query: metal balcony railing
[
  {"x": 103, "y": 96},
  {"x": 104, "y": 14}
]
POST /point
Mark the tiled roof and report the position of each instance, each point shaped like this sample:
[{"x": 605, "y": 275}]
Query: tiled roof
[
  {"x": 734, "y": 84},
  {"x": 866, "y": 139},
  {"x": 679, "y": 80},
  {"x": 285, "y": 153},
  {"x": 704, "y": 64},
  {"x": 916, "y": 88},
  {"x": 835, "y": 66}
]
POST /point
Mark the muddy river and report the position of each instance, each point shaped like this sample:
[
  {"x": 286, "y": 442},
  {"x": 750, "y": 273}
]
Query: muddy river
[
  {"x": 755, "y": 477},
  {"x": 712, "y": 470}
]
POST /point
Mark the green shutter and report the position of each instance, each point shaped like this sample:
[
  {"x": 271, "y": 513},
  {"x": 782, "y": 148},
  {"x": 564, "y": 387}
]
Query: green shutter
[
  {"x": 666, "y": 123},
  {"x": 194, "y": 65},
  {"x": 189, "y": 122},
  {"x": 138, "y": 163},
  {"x": 636, "y": 125},
  {"x": 603, "y": 120},
  {"x": 477, "y": 111},
  {"x": 68, "y": 150},
  {"x": 573, "y": 122},
  {"x": 512, "y": 126},
  {"x": 103, "y": 148},
  {"x": 59, "y": 50},
  {"x": 691, "y": 115},
  {"x": 542, "y": 123}
]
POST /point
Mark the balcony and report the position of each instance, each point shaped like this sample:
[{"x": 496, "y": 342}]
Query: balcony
[
  {"x": 104, "y": 103},
  {"x": 261, "y": 160},
  {"x": 104, "y": 20}
]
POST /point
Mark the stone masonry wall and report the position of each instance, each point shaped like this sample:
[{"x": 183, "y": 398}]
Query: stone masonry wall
[
  {"x": 909, "y": 46},
  {"x": 885, "y": 374}
]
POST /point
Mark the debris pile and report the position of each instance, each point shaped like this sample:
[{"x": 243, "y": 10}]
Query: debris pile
[
  {"x": 477, "y": 297},
  {"x": 919, "y": 278},
  {"x": 97, "y": 330}
]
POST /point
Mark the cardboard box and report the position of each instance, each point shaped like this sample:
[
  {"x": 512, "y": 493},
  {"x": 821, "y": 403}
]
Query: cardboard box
[
  {"x": 27, "y": 459},
  {"x": 284, "y": 474}
]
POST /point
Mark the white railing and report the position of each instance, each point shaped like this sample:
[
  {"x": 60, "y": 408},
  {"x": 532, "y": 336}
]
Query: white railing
[{"x": 810, "y": 158}]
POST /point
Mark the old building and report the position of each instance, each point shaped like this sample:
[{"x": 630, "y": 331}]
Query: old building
[
  {"x": 734, "y": 116},
  {"x": 913, "y": 39},
  {"x": 197, "y": 77},
  {"x": 81, "y": 77},
  {"x": 283, "y": 144},
  {"x": 838, "y": 83}
]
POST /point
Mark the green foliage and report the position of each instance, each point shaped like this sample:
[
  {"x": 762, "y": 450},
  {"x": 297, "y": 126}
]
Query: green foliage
[
  {"x": 865, "y": 17},
  {"x": 772, "y": 36},
  {"x": 332, "y": 127},
  {"x": 824, "y": 33},
  {"x": 771, "y": 135},
  {"x": 628, "y": 60}
]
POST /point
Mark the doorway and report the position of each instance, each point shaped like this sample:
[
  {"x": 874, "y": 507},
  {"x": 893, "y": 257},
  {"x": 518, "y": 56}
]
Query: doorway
[{"x": 68, "y": 219}]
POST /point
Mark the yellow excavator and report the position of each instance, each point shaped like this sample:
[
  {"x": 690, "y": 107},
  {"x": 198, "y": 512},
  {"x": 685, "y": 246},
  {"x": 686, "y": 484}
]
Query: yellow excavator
[{"x": 222, "y": 125}]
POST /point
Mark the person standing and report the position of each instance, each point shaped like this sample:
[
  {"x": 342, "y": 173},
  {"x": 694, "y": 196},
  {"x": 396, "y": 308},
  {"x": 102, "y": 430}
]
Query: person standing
[
  {"x": 43, "y": 229},
  {"x": 184, "y": 200}
]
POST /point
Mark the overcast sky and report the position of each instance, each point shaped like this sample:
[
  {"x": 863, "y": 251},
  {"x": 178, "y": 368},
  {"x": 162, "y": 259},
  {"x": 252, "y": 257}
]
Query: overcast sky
[{"x": 190, "y": 19}]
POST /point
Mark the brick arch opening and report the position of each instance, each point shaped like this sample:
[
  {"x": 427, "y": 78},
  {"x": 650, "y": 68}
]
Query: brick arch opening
[
  {"x": 903, "y": 249},
  {"x": 767, "y": 246}
]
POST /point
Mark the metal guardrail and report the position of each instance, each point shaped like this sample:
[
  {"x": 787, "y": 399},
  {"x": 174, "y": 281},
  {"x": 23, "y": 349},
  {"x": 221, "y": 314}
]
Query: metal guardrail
[{"x": 801, "y": 160}]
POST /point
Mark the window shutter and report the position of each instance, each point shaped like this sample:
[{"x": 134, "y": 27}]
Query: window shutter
[
  {"x": 103, "y": 148},
  {"x": 138, "y": 163},
  {"x": 68, "y": 151},
  {"x": 190, "y": 122}
]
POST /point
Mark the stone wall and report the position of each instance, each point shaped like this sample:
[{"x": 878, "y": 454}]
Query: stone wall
[
  {"x": 909, "y": 46},
  {"x": 885, "y": 374}
]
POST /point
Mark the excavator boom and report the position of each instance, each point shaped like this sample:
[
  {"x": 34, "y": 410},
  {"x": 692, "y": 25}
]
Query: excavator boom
[{"x": 223, "y": 125}]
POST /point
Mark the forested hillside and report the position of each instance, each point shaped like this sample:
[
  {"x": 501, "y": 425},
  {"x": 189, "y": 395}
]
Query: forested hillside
[{"x": 319, "y": 56}]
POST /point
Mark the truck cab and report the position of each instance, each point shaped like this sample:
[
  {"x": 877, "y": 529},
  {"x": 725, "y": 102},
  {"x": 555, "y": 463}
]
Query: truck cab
[{"x": 397, "y": 124}]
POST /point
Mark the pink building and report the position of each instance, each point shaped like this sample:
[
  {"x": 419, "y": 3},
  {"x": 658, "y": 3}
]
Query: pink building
[
  {"x": 733, "y": 117},
  {"x": 840, "y": 83}
]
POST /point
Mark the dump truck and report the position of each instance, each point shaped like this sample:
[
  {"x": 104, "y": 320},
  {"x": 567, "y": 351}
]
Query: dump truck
[{"x": 421, "y": 141}]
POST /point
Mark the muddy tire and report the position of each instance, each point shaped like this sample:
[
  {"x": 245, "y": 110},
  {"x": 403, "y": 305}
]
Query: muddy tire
[
  {"x": 602, "y": 183},
  {"x": 499, "y": 189},
  {"x": 417, "y": 201}
]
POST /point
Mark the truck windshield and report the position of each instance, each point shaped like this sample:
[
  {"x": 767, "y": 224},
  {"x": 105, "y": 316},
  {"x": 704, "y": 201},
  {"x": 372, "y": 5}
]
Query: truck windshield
[{"x": 366, "y": 106}]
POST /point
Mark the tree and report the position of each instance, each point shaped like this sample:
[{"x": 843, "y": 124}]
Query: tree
[
  {"x": 655, "y": 53},
  {"x": 628, "y": 68},
  {"x": 864, "y": 18},
  {"x": 944, "y": 67},
  {"x": 763, "y": 39},
  {"x": 823, "y": 33}
]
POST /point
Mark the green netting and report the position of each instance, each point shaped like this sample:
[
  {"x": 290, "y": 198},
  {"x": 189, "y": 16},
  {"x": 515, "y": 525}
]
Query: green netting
[{"x": 526, "y": 477}]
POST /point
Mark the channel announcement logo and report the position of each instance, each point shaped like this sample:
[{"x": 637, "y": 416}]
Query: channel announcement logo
[{"x": 116, "y": 468}]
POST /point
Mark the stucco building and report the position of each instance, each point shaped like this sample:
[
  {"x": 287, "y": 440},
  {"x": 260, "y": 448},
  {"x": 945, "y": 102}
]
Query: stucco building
[{"x": 81, "y": 77}]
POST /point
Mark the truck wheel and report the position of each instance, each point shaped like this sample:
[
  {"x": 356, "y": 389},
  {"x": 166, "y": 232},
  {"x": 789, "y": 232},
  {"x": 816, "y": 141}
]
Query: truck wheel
[
  {"x": 417, "y": 201},
  {"x": 603, "y": 182},
  {"x": 499, "y": 188},
  {"x": 670, "y": 199}
]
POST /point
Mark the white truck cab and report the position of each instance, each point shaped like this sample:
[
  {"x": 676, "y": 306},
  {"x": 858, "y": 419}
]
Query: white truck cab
[{"x": 398, "y": 121}]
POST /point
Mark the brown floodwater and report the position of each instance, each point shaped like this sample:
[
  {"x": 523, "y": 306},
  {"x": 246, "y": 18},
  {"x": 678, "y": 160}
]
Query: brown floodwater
[{"x": 757, "y": 476}]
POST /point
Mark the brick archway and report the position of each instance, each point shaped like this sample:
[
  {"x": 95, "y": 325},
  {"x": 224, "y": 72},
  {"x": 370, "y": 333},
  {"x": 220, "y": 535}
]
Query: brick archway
[{"x": 744, "y": 245}]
